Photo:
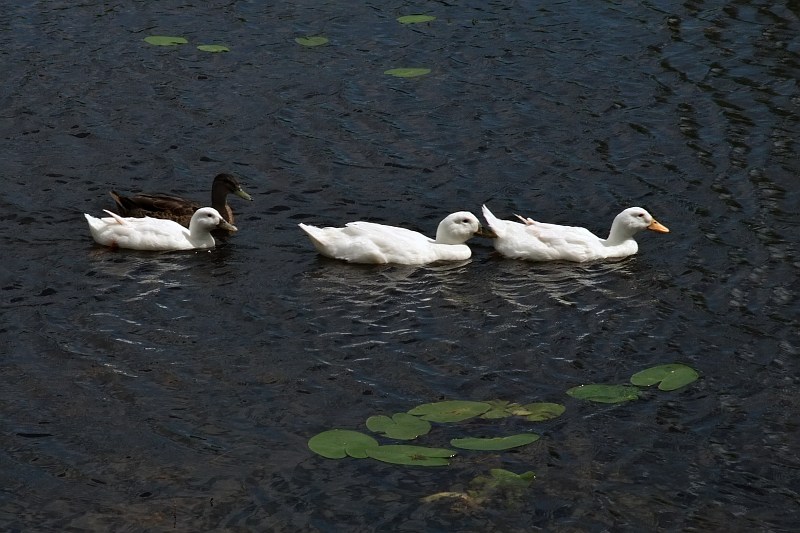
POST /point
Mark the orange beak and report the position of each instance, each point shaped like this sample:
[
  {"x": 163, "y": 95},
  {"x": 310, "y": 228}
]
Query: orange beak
[{"x": 656, "y": 226}]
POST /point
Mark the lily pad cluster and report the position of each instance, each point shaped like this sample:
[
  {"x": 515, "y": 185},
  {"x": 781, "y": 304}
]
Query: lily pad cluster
[
  {"x": 341, "y": 443},
  {"x": 411, "y": 72},
  {"x": 669, "y": 377},
  {"x": 312, "y": 41},
  {"x": 308, "y": 41},
  {"x": 417, "y": 422},
  {"x": 168, "y": 40}
]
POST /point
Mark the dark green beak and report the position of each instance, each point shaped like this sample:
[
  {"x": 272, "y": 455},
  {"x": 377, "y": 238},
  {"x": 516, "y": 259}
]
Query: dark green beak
[{"x": 241, "y": 194}]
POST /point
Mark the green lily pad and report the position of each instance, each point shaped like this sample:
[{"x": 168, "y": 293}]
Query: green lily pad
[
  {"x": 407, "y": 72},
  {"x": 496, "y": 443},
  {"x": 402, "y": 454},
  {"x": 315, "y": 40},
  {"x": 402, "y": 426},
  {"x": 450, "y": 410},
  {"x": 669, "y": 377},
  {"x": 213, "y": 48},
  {"x": 339, "y": 443},
  {"x": 164, "y": 40},
  {"x": 540, "y": 411},
  {"x": 500, "y": 409},
  {"x": 415, "y": 19},
  {"x": 604, "y": 393}
]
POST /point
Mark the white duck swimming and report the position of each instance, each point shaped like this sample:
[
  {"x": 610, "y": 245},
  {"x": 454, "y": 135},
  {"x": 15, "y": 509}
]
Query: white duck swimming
[
  {"x": 538, "y": 241},
  {"x": 157, "y": 234},
  {"x": 368, "y": 242}
]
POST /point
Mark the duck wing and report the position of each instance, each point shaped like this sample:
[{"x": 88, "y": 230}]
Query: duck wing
[
  {"x": 368, "y": 242},
  {"x": 164, "y": 206},
  {"x": 572, "y": 243}
]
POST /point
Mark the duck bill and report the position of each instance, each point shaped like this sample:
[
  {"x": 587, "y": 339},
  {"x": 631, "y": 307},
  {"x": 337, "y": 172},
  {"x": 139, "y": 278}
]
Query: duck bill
[
  {"x": 487, "y": 233},
  {"x": 241, "y": 194},
  {"x": 227, "y": 226},
  {"x": 656, "y": 226}
]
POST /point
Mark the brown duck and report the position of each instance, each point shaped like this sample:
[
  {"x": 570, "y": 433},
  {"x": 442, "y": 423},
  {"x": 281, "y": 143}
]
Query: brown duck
[{"x": 180, "y": 209}]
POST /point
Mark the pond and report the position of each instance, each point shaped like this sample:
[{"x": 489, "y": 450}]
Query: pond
[{"x": 178, "y": 391}]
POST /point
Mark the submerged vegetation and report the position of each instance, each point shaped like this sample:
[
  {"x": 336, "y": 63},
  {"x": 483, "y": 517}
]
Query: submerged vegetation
[{"x": 507, "y": 486}]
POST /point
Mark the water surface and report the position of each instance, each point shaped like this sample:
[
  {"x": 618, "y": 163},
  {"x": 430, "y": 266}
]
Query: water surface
[{"x": 154, "y": 392}]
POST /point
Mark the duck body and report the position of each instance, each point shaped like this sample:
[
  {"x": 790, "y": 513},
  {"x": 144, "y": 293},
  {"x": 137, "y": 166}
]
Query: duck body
[
  {"x": 170, "y": 207},
  {"x": 539, "y": 241},
  {"x": 368, "y": 242},
  {"x": 155, "y": 234}
]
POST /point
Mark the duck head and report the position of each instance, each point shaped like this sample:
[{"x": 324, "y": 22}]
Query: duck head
[
  {"x": 228, "y": 184},
  {"x": 632, "y": 221},
  {"x": 208, "y": 219},
  {"x": 458, "y": 228}
]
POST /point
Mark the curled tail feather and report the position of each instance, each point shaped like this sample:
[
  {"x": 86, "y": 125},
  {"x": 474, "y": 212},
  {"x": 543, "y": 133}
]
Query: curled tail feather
[{"x": 116, "y": 217}]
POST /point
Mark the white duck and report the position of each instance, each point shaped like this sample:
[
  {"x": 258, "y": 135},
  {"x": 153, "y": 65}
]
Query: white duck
[
  {"x": 157, "y": 234},
  {"x": 368, "y": 242},
  {"x": 538, "y": 241}
]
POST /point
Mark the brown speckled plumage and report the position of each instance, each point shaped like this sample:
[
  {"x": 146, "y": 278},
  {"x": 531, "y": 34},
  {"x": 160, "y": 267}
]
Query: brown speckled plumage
[{"x": 180, "y": 209}]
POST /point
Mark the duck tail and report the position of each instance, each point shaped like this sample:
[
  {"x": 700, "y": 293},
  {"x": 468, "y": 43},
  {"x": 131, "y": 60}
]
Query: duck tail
[
  {"x": 90, "y": 219},
  {"x": 316, "y": 235},
  {"x": 95, "y": 225},
  {"x": 312, "y": 231},
  {"x": 121, "y": 201},
  {"x": 493, "y": 222}
]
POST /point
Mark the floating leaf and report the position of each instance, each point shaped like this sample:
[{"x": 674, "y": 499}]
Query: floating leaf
[
  {"x": 496, "y": 443},
  {"x": 604, "y": 393},
  {"x": 339, "y": 443},
  {"x": 316, "y": 40},
  {"x": 500, "y": 409},
  {"x": 415, "y": 19},
  {"x": 213, "y": 48},
  {"x": 669, "y": 377},
  {"x": 402, "y": 454},
  {"x": 450, "y": 410},
  {"x": 400, "y": 426},
  {"x": 407, "y": 72},
  {"x": 540, "y": 411},
  {"x": 165, "y": 40}
]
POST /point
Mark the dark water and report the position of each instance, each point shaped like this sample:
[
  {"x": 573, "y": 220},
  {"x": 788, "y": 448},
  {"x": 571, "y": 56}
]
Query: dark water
[{"x": 156, "y": 392}]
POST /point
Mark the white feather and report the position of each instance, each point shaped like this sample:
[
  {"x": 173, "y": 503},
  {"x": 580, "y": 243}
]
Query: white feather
[
  {"x": 368, "y": 242},
  {"x": 539, "y": 241},
  {"x": 157, "y": 234}
]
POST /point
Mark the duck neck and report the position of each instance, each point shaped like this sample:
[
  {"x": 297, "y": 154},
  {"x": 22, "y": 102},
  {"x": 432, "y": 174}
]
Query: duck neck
[
  {"x": 219, "y": 198},
  {"x": 200, "y": 236},
  {"x": 442, "y": 236},
  {"x": 618, "y": 234}
]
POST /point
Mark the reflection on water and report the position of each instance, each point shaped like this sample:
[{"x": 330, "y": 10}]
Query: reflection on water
[
  {"x": 572, "y": 285},
  {"x": 177, "y": 391},
  {"x": 149, "y": 271}
]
